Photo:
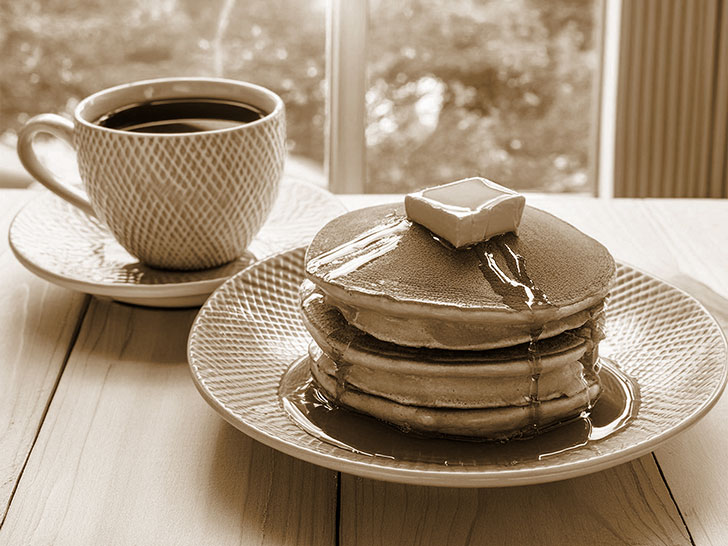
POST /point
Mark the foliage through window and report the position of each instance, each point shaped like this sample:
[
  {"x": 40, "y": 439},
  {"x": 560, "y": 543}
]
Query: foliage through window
[
  {"x": 56, "y": 52},
  {"x": 499, "y": 88}
]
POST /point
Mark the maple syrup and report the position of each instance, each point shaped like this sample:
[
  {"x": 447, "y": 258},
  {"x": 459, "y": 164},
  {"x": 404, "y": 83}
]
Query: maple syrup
[{"x": 312, "y": 410}]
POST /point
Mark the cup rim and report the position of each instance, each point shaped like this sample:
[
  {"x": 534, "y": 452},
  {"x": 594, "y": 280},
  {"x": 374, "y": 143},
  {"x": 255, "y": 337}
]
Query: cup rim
[{"x": 279, "y": 105}]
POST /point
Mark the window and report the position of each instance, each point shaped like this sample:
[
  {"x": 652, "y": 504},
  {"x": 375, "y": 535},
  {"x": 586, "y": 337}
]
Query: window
[
  {"x": 503, "y": 89},
  {"x": 56, "y": 52},
  {"x": 451, "y": 88}
]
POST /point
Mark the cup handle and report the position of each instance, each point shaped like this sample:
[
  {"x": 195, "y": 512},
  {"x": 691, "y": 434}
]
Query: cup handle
[{"x": 59, "y": 127}]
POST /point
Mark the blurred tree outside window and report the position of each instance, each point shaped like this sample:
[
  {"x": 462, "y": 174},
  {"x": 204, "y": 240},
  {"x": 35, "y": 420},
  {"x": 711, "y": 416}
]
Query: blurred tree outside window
[
  {"x": 56, "y": 52},
  {"x": 497, "y": 88}
]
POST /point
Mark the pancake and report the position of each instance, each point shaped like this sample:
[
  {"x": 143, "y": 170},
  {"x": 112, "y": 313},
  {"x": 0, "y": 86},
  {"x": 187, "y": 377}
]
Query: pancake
[
  {"x": 486, "y": 394},
  {"x": 491, "y": 341},
  {"x": 444, "y": 378},
  {"x": 488, "y": 424},
  {"x": 464, "y": 388},
  {"x": 336, "y": 336},
  {"x": 494, "y": 333},
  {"x": 393, "y": 279}
]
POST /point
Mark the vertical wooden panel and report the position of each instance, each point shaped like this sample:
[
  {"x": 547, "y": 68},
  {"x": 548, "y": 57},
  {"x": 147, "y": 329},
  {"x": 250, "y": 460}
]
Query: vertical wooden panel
[
  {"x": 718, "y": 187},
  {"x": 701, "y": 94},
  {"x": 673, "y": 89},
  {"x": 672, "y": 83},
  {"x": 626, "y": 103},
  {"x": 663, "y": 39},
  {"x": 689, "y": 182},
  {"x": 705, "y": 99},
  {"x": 621, "y": 128},
  {"x": 687, "y": 76},
  {"x": 636, "y": 54},
  {"x": 647, "y": 91}
]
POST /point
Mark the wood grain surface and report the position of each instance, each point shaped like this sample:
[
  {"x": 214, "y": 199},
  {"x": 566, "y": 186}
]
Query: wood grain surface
[
  {"x": 628, "y": 504},
  {"x": 129, "y": 453},
  {"x": 38, "y": 322}
]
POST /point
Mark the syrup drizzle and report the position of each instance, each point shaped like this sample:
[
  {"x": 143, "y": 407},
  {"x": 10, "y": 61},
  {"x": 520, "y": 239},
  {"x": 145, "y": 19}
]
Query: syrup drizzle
[
  {"x": 519, "y": 292},
  {"x": 335, "y": 338},
  {"x": 592, "y": 332},
  {"x": 513, "y": 284},
  {"x": 364, "y": 248}
]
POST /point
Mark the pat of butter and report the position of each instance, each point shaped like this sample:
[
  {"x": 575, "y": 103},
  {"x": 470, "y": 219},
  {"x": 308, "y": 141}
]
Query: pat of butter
[{"x": 467, "y": 211}]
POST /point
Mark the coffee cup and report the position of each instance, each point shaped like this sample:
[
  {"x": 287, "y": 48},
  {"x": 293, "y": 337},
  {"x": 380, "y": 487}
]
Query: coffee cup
[{"x": 183, "y": 171}]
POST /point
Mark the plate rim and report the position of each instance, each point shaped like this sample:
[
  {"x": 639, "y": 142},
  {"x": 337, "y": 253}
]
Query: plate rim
[
  {"x": 141, "y": 291},
  {"x": 459, "y": 477}
]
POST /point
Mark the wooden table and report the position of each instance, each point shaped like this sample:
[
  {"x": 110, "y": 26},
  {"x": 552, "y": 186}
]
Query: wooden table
[{"x": 105, "y": 440}]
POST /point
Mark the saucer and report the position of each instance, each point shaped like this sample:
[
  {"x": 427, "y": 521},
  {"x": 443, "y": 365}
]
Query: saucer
[
  {"x": 658, "y": 335},
  {"x": 59, "y": 243}
]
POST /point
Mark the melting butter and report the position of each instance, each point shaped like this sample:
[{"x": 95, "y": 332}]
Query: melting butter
[{"x": 467, "y": 211}]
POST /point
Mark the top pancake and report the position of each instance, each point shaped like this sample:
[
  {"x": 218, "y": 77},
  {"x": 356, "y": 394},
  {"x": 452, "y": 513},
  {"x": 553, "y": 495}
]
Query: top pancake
[{"x": 396, "y": 265}]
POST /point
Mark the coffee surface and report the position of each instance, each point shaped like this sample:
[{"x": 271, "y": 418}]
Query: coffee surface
[{"x": 189, "y": 115}]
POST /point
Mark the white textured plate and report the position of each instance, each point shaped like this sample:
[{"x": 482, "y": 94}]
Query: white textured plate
[
  {"x": 249, "y": 332},
  {"x": 61, "y": 244}
]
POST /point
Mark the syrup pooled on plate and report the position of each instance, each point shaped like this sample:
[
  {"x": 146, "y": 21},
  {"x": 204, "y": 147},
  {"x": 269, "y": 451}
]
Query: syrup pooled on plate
[{"x": 312, "y": 410}]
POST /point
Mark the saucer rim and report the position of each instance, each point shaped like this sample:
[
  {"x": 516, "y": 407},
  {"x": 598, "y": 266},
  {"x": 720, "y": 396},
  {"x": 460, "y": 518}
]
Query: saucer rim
[{"x": 141, "y": 293}]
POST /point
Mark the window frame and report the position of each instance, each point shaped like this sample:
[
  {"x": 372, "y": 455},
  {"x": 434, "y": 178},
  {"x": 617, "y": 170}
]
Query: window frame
[{"x": 346, "y": 38}]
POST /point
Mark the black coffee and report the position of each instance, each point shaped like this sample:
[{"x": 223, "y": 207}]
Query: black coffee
[{"x": 190, "y": 115}]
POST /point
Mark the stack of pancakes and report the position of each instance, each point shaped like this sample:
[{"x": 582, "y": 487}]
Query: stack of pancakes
[{"x": 492, "y": 341}]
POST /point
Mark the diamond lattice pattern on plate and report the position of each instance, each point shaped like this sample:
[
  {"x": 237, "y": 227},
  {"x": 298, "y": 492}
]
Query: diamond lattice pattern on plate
[
  {"x": 249, "y": 332},
  {"x": 63, "y": 241}
]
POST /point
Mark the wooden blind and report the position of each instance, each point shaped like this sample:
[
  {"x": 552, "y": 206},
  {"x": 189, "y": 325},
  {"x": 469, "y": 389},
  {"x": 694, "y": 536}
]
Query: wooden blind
[{"x": 672, "y": 99}]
